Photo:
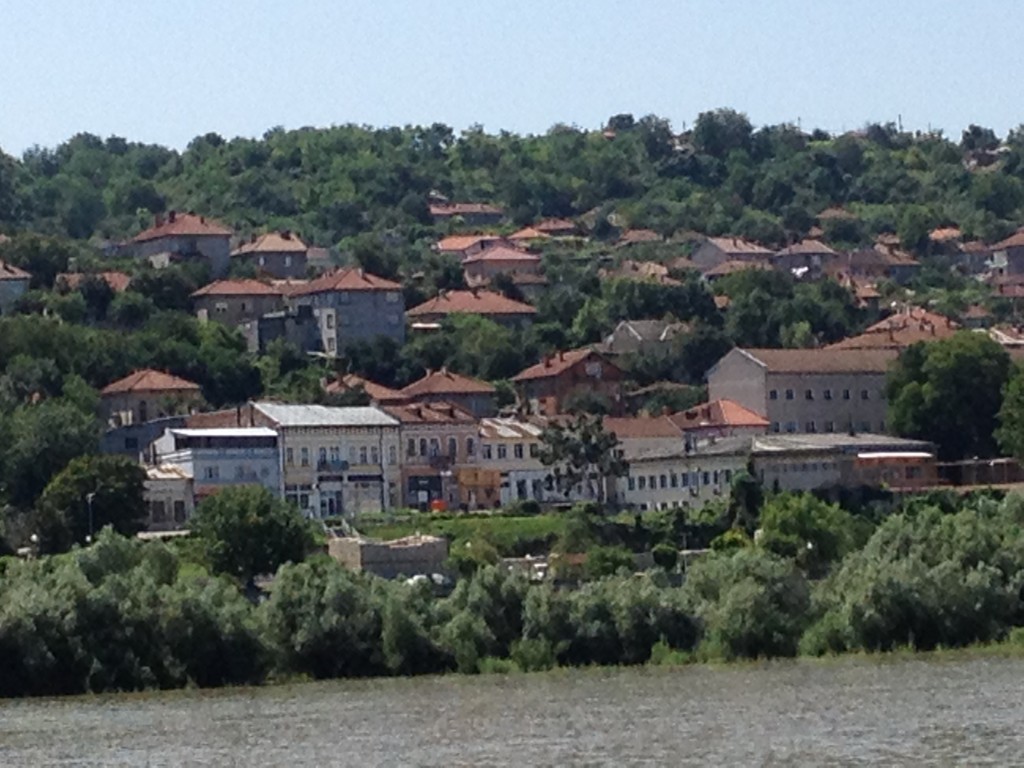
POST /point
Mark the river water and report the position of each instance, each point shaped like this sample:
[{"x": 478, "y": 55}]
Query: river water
[{"x": 919, "y": 711}]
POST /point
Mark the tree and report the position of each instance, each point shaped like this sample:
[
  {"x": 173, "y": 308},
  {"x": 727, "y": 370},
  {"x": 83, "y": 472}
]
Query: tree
[
  {"x": 810, "y": 531},
  {"x": 246, "y": 531},
  {"x": 90, "y": 493},
  {"x": 950, "y": 392},
  {"x": 582, "y": 454},
  {"x": 1010, "y": 433}
]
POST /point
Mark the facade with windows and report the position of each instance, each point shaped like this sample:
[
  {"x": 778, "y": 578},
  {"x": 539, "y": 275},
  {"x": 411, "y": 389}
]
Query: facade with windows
[{"x": 169, "y": 497}]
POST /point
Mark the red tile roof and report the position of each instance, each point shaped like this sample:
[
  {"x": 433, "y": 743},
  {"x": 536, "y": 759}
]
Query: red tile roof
[
  {"x": 634, "y": 236},
  {"x": 445, "y": 382},
  {"x": 430, "y": 413},
  {"x": 456, "y": 243},
  {"x": 471, "y": 303},
  {"x": 241, "y": 287},
  {"x": 549, "y": 226},
  {"x": 182, "y": 224},
  {"x": 529, "y": 233},
  {"x": 11, "y": 272},
  {"x": 806, "y": 247},
  {"x": 738, "y": 246},
  {"x": 718, "y": 413},
  {"x": 503, "y": 253},
  {"x": 148, "y": 380},
  {"x": 555, "y": 365},
  {"x": 901, "y": 330},
  {"x": 1016, "y": 240},
  {"x": 945, "y": 234},
  {"x": 375, "y": 391},
  {"x": 347, "y": 279},
  {"x": 118, "y": 281},
  {"x": 640, "y": 427},
  {"x": 272, "y": 242}
]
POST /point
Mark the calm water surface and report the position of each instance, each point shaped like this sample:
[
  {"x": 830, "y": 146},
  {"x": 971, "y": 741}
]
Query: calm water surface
[{"x": 917, "y": 712}]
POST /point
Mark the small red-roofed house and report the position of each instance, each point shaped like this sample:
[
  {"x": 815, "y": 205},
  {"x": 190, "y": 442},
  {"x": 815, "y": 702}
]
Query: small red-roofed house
[
  {"x": 147, "y": 394},
  {"x": 489, "y": 304},
  {"x": 234, "y": 302},
  {"x": 719, "y": 418},
  {"x": 185, "y": 236},
  {"x": 718, "y": 250},
  {"x": 278, "y": 254},
  {"x": 547, "y": 388},
  {"x": 444, "y": 386},
  {"x": 482, "y": 267},
  {"x": 464, "y": 246},
  {"x": 471, "y": 214}
]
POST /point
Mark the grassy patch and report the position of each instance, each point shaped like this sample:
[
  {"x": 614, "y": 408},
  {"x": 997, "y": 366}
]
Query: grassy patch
[{"x": 509, "y": 534}]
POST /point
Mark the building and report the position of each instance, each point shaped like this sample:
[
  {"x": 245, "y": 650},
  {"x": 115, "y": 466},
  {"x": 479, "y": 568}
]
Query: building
[
  {"x": 872, "y": 265},
  {"x": 1010, "y": 252},
  {"x": 726, "y": 268},
  {"x": 335, "y": 460},
  {"x": 14, "y": 283},
  {"x": 71, "y": 281},
  {"x": 184, "y": 236},
  {"x": 638, "y": 237},
  {"x": 470, "y": 214},
  {"x": 377, "y": 393},
  {"x": 278, "y": 254},
  {"x": 353, "y": 305},
  {"x": 714, "y": 251},
  {"x": 807, "y": 390},
  {"x": 643, "y": 337},
  {"x": 481, "y": 268},
  {"x": 646, "y": 271},
  {"x": 556, "y": 227},
  {"x": 527, "y": 235},
  {"x": 718, "y": 419},
  {"x": 147, "y": 394},
  {"x": 899, "y": 331},
  {"x": 236, "y": 302},
  {"x": 297, "y": 326},
  {"x": 216, "y": 458},
  {"x": 169, "y": 498},
  {"x": 464, "y": 246},
  {"x": 444, "y": 386},
  {"x": 493, "y": 306},
  {"x": 805, "y": 259},
  {"x": 551, "y": 385},
  {"x": 639, "y": 434},
  {"x": 411, "y": 556},
  {"x": 439, "y": 441}
]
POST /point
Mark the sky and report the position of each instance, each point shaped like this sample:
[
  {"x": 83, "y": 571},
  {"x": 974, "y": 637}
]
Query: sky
[{"x": 163, "y": 72}]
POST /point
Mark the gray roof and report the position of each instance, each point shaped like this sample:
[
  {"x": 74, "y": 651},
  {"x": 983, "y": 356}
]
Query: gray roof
[
  {"x": 837, "y": 441},
  {"x": 735, "y": 445},
  {"x": 325, "y": 416},
  {"x": 226, "y": 432}
]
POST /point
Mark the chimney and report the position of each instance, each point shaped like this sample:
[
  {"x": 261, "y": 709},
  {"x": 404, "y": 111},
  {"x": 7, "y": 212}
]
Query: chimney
[
  {"x": 171, "y": 216},
  {"x": 158, "y": 220},
  {"x": 362, "y": 272},
  {"x": 561, "y": 355},
  {"x": 286, "y": 234},
  {"x": 202, "y": 219},
  {"x": 547, "y": 361}
]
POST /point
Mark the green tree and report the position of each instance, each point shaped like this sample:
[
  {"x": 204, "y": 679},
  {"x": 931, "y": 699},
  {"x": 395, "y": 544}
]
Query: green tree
[
  {"x": 812, "y": 532},
  {"x": 1010, "y": 433},
  {"x": 246, "y": 531},
  {"x": 582, "y": 454}
]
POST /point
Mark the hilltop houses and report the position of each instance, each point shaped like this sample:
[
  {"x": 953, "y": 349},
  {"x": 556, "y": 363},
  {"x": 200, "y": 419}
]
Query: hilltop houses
[
  {"x": 276, "y": 254},
  {"x": 181, "y": 236}
]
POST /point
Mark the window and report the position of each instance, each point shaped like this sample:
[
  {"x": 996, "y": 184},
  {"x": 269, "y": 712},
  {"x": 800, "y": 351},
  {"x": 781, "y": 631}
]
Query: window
[
  {"x": 362, "y": 454},
  {"x": 435, "y": 447},
  {"x": 775, "y": 426},
  {"x": 423, "y": 446},
  {"x": 705, "y": 478},
  {"x": 220, "y": 306},
  {"x": 263, "y": 261},
  {"x": 453, "y": 447},
  {"x": 179, "y": 511},
  {"x": 632, "y": 484},
  {"x": 881, "y": 426},
  {"x": 863, "y": 394},
  {"x": 827, "y": 394},
  {"x": 865, "y": 426},
  {"x": 321, "y": 456},
  {"x": 714, "y": 477},
  {"x": 728, "y": 476},
  {"x": 791, "y": 426},
  {"x": 809, "y": 394},
  {"x": 846, "y": 394},
  {"x": 470, "y": 446},
  {"x": 392, "y": 454},
  {"x": 304, "y": 456},
  {"x": 289, "y": 456},
  {"x": 642, "y": 483},
  {"x": 517, "y": 450},
  {"x": 830, "y": 426},
  {"x": 534, "y": 450},
  {"x": 239, "y": 472},
  {"x": 351, "y": 454},
  {"x": 673, "y": 480},
  {"x": 330, "y": 344},
  {"x": 502, "y": 451},
  {"x": 663, "y": 481},
  {"x": 485, "y": 450},
  {"x": 374, "y": 455},
  {"x": 212, "y": 473},
  {"x": 789, "y": 394},
  {"x": 157, "y": 510},
  {"x": 244, "y": 306},
  {"x": 287, "y": 261},
  {"x": 685, "y": 477},
  {"x": 335, "y": 454},
  {"x": 811, "y": 427},
  {"x": 654, "y": 481},
  {"x": 330, "y": 321},
  {"x": 773, "y": 395}
]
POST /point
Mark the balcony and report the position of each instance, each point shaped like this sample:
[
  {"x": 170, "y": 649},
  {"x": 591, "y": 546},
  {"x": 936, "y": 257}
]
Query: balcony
[{"x": 332, "y": 466}]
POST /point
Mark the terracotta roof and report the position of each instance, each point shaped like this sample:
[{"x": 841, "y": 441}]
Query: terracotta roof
[
  {"x": 529, "y": 233},
  {"x": 945, "y": 234},
  {"x": 461, "y": 209},
  {"x": 731, "y": 267},
  {"x": 718, "y": 413},
  {"x": 177, "y": 224},
  {"x": 445, "y": 382},
  {"x": 836, "y": 213},
  {"x": 806, "y": 247},
  {"x": 376, "y": 392},
  {"x": 503, "y": 253},
  {"x": 639, "y": 427},
  {"x": 977, "y": 312},
  {"x": 148, "y": 380},
  {"x": 347, "y": 279},
  {"x": 554, "y": 225},
  {"x": 241, "y": 287},
  {"x": 289, "y": 285},
  {"x": 118, "y": 281},
  {"x": 1016, "y": 240},
  {"x": 722, "y": 302},
  {"x": 11, "y": 272},
  {"x": 272, "y": 242},
  {"x": 471, "y": 303},
  {"x": 455, "y": 243},
  {"x": 555, "y": 365},
  {"x": 870, "y": 257},
  {"x": 735, "y": 245},
  {"x": 901, "y": 330},
  {"x": 430, "y": 413},
  {"x": 823, "y": 360},
  {"x": 633, "y": 236},
  {"x": 975, "y": 246}
]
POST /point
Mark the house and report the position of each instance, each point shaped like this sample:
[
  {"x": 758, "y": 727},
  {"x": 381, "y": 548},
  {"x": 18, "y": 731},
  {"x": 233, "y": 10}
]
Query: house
[
  {"x": 805, "y": 259},
  {"x": 531, "y": 286},
  {"x": 278, "y": 254},
  {"x": 872, "y": 265},
  {"x": 184, "y": 236},
  {"x": 168, "y": 495},
  {"x": 556, "y": 227},
  {"x": 482, "y": 267},
  {"x": 438, "y": 441},
  {"x": 527, "y": 235},
  {"x": 378, "y": 393},
  {"x": 551, "y": 385},
  {"x": 637, "y": 236},
  {"x": 235, "y": 302},
  {"x": 297, "y": 326},
  {"x": 71, "y": 281},
  {"x": 14, "y": 283},
  {"x": 147, "y": 394},
  {"x": 1011, "y": 253},
  {"x": 410, "y": 556},
  {"x": 470, "y": 214},
  {"x": 464, "y": 246},
  {"x": 223, "y": 457},
  {"x": 648, "y": 271},
  {"x": 444, "y": 386},
  {"x": 335, "y": 460},
  {"x": 493, "y": 306},
  {"x": 637, "y": 434},
  {"x": 714, "y": 251},
  {"x": 908, "y": 326},
  {"x": 353, "y": 305},
  {"x": 643, "y": 337},
  {"x": 718, "y": 419},
  {"x": 807, "y": 390}
]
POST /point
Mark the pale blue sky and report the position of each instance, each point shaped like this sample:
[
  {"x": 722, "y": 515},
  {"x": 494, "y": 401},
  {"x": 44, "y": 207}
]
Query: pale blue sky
[{"x": 165, "y": 72}]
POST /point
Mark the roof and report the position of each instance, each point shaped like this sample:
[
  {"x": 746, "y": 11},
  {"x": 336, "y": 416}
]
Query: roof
[
  {"x": 1016, "y": 240},
  {"x": 637, "y": 269},
  {"x": 945, "y": 234},
  {"x": 178, "y": 224},
  {"x": 461, "y": 209},
  {"x": 375, "y": 391},
  {"x": 650, "y": 330},
  {"x": 118, "y": 281},
  {"x": 224, "y": 432},
  {"x": 445, "y": 382},
  {"x": 272, "y": 242},
  {"x": 835, "y": 441},
  {"x": 632, "y": 236},
  {"x": 806, "y": 247},
  {"x": 11, "y": 272},
  {"x": 735, "y": 245},
  {"x": 509, "y": 428},
  {"x": 430, "y": 413},
  {"x": 555, "y": 365},
  {"x": 642, "y": 427},
  {"x": 873, "y": 257},
  {"x": 836, "y": 213},
  {"x": 554, "y": 225},
  {"x": 149, "y": 380},
  {"x": 454, "y": 243},
  {"x": 286, "y": 415},
  {"x": 471, "y": 303},
  {"x": 901, "y": 330},
  {"x": 731, "y": 267},
  {"x": 822, "y": 360},
  {"x": 503, "y": 253},
  {"x": 167, "y": 472},
  {"x": 528, "y": 233},
  {"x": 241, "y": 287},
  {"x": 718, "y": 413},
  {"x": 347, "y": 279}
]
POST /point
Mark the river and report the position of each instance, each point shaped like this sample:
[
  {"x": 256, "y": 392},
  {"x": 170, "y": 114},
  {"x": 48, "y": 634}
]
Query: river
[{"x": 918, "y": 711}]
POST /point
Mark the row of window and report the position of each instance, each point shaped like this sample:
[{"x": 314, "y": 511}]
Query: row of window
[
  {"x": 432, "y": 447},
  {"x": 160, "y": 512},
  {"x": 827, "y": 426},
  {"x": 392, "y": 318},
  {"x": 826, "y": 394},
  {"x": 680, "y": 480},
  {"x": 500, "y": 450},
  {"x": 326, "y": 456}
]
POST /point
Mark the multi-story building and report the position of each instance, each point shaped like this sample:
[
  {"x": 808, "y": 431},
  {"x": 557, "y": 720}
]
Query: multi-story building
[
  {"x": 147, "y": 394},
  {"x": 548, "y": 387},
  {"x": 464, "y": 246},
  {"x": 444, "y": 386},
  {"x": 236, "y": 302},
  {"x": 493, "y": 306},
  {"x": 715, "y": 251},
  {"x": 807, "y": 390},
  {"x": 481, "y": 268},
  {"x": 218, "y": 458},
  {"x": 278, "y": 254},
  {"x": 182, "y": 236},
  {"x": 805, "y": 259},
  {"x": 168, "y": 493},
  {"x": 353, "y": 305}
]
